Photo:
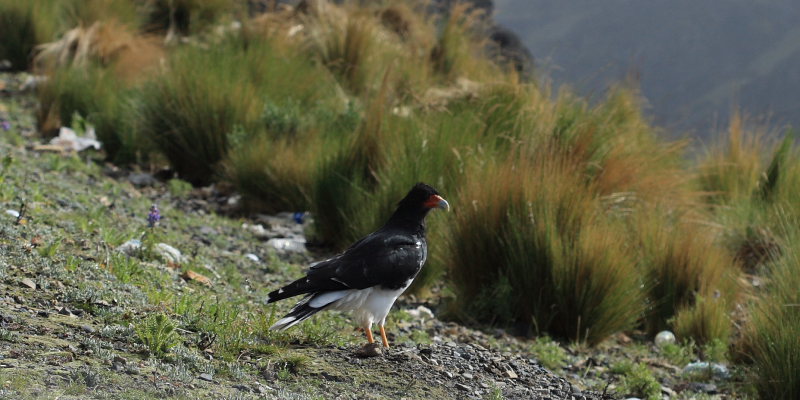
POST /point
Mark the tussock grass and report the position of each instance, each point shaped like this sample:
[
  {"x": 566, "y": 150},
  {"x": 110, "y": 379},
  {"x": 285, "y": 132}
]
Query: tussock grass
[
  {"x": 532, "y": 229},
  {"x": 107, "y": 43},
  {"x": 772, "y": 337},
  {"x": 97, "y": 95},
  {"x": 23, "y": 26},
  {"x": 275, "y": 176},
  {"x": 682, "y": 266},
  {"x": 184, "y": 17},
  {"x": 732, "y": 169},
  {"x": 343, "y": 47},
  {"x": 190, "y": 110},
  {"x": 457, "y": 50}
]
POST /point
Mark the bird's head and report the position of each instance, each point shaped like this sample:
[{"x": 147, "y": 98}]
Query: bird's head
[{"x": 423, "y": 197}]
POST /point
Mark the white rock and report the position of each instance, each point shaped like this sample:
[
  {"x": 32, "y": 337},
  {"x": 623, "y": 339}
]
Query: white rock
[
  {"x": 664, "y": 338},
  {"x": 257, "y": 230},
  {"x": 718, "y": 370},
  {"x": 288, "y": 245},
  {"x": 13, "y": 213},
  {"x": 169, "y": 253},
  {"x": 420, "y": 312},
  {"x": 131, "y": 247},
  {"x": 252, "y": 257}
]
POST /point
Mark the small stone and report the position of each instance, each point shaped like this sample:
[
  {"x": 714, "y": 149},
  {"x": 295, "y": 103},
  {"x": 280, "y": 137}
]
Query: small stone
[
  {"x": 511, "y": 374},
  {"x": 243, "y": 388},
  {"x": 29, "y": 283},
  {"x": 252, "y": 257},
  {"x": 64, "y": 311},
  {"x": 708, "y": 388},
  {"x": 43, "y": 314},
  {"x": 467, "y": 375},
  {"x": 451, "y": 344},
  {"x": 369, "y": 350},
  {"x": 141, "y": 179},
  {"x": 448, "y": 374},
  {"x": 206, "y": 377},
  {"x": 669, "y": 392},
  {"x": 484, "y": 385},
  {"x": 88, "y": 329},
  {"x": 463, "y": 387}
]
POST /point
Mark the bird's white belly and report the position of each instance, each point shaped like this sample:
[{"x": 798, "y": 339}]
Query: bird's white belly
[{"x": 370, "y": 305}]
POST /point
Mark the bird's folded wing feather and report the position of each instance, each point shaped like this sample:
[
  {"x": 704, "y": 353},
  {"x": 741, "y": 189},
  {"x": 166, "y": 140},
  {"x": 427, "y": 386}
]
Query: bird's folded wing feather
[{"x": 375, "y": 260}]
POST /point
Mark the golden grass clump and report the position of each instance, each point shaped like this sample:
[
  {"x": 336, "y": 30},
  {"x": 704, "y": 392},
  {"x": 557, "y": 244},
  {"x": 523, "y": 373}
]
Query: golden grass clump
[
  {"x": 529, "y": 244},
  {"x": 771, "y": 340},
  {"x": 107, "y": 43},
  {"x": 681, "y": 263},
  {"x": 732, "y": 168}
]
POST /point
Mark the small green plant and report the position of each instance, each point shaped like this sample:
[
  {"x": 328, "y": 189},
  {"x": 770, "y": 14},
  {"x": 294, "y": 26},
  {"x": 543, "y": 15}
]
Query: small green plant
[
  {"x": 495, "y": 393},
  {"x": 679, "y": 354},
  {"x": 549, "y": 353},
  {"x": 157, "y": 332},
  {"x": 179, "y": 188},
  {"x": 7, "y": 336},
  {"x": 419, "y": 336},
  {"x": 50, "y": 250},
  {"x": 715, "y": 350},
  {"x": 638, "y": 380},
  {"x": 125, "y": 268},
  {"x": 291, "y": 364}
]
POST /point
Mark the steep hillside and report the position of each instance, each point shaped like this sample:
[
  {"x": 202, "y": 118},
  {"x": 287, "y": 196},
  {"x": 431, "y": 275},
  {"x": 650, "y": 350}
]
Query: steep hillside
[{"x": 696, "y": 60}]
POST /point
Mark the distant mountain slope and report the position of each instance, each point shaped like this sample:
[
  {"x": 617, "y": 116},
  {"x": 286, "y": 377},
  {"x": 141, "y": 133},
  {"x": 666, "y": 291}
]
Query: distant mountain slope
[{"x": 696, "y": 59}]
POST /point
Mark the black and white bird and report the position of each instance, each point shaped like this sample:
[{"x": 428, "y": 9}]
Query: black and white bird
[{"x": 368, "y": 277}]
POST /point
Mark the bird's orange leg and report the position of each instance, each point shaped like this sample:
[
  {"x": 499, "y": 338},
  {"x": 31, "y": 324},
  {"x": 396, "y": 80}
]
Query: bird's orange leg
[
  {"x": 383, "y": 338},
  {"x": 369, "y": 336}
]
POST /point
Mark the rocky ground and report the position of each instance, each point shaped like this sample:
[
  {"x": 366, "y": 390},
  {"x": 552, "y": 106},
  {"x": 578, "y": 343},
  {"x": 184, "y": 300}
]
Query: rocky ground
[{"x": 85, "y": 282}]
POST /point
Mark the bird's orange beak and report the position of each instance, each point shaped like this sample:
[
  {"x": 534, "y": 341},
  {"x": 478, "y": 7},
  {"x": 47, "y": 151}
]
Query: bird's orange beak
[{"x": 437, "y": 201}]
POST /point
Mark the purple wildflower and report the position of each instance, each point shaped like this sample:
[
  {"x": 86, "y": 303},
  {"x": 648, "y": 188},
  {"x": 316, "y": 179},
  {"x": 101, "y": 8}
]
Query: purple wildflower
[
  {"x": 153, "y": 217},
  {"x": 5, "y": 125}
]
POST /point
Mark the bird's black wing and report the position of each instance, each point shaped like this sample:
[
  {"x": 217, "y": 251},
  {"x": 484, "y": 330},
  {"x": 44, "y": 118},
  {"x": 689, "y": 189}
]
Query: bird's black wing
[{"x": 388, "y": 259}]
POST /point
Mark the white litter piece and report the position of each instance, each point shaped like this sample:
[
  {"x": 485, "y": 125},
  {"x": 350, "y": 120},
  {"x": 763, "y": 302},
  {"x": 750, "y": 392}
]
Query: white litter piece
[
  {"x": 69, "y": 140},
  {"x": 252, "y": 257},
  {"x": 13, "y": 213},
  {"x": 288, "y": 245}
]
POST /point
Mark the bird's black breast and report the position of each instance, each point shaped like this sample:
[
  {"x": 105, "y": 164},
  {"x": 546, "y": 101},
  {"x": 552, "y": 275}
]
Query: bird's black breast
[{"x": 406, "y": 262}]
